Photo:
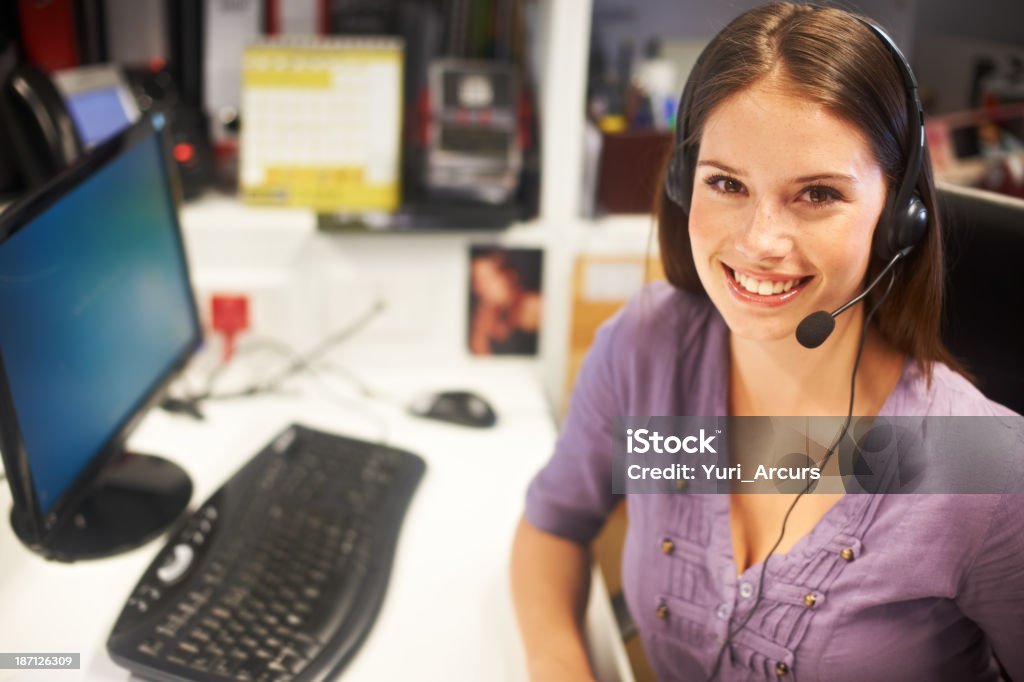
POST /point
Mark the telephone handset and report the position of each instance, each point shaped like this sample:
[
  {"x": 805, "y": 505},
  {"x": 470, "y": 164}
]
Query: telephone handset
[{"x": 41, "y": 132}]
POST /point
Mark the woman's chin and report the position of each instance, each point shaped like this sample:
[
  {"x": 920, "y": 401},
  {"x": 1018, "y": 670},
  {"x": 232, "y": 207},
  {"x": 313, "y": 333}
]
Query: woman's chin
[{"x": 761, "y": 331}]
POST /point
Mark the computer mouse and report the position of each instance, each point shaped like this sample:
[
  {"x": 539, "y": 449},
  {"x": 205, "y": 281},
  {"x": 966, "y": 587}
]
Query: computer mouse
[{"x": 456, "y": 407}]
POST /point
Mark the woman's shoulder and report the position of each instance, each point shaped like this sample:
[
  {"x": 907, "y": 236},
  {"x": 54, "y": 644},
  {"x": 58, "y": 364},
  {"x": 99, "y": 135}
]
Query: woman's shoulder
[
  {"x": 664, "y": 337},
  {"x": 948, "y": 393}
]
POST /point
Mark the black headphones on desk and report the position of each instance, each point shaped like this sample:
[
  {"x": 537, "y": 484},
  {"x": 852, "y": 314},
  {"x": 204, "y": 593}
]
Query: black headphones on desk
[{"x": 905, "y": 218}]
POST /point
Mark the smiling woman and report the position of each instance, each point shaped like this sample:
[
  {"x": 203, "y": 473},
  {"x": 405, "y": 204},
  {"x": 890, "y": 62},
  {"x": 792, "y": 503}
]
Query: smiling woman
[
  {"x": 805, "y": 113},
  {"x": 757, "y": 229},
  {"x": 799, "y": 177}
]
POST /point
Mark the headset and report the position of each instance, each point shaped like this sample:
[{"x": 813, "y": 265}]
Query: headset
[
  {"x": 904, "y": 219},
  {"x": 900, "y": 228}
]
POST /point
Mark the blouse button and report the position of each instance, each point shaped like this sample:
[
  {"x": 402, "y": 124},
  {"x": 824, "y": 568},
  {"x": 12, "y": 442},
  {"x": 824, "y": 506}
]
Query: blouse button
[
  {"x": 746, "y": 590},
  {"x": 781, "y": 668},
  {"x": 661, "y": 612},
  {"x": 810, "y": 600},
  {"x": 667, "y": 546},
  {"x": 680, "y": 484},
  {"x": 847, "y": 554}
]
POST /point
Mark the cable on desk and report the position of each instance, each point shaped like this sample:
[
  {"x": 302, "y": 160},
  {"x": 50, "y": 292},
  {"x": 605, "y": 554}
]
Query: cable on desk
[
  {"x": 355, "y": 403},
  {"x": 298, "y": 363},
  {"x": 303, "y": 362}
]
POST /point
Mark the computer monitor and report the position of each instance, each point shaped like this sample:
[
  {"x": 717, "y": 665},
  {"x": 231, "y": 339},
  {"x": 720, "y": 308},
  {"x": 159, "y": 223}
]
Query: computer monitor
[
  {"x": 97, "y": 315},
  {"x": 985, "y": 290}
]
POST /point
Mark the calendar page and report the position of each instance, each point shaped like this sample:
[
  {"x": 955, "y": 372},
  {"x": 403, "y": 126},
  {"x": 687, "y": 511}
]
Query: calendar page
[{"x": 321, "y": 123}]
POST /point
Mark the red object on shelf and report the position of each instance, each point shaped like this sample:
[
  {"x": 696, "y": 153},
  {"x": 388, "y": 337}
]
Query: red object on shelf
[
  {"x": 230, "y": 317},
  {"x": 184, "y": 152},
  {"x": 272, "y": 17},
  {"x": 524, "y": 120},
  {"x": 629, "y": 169},
  {"x": 421, "y": 127},
  {"x": 48, "y": 33}
]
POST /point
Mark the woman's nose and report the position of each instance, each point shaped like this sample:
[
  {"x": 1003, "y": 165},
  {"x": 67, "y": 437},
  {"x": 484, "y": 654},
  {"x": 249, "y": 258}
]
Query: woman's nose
[{"x": 767, "y": 234}]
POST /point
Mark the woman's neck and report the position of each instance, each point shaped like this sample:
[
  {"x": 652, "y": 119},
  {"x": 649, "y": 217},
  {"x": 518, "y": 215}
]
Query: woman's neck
[{"x": 781, "y": 377}]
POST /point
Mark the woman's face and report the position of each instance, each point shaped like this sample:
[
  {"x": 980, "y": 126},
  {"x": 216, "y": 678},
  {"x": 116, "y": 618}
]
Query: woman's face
[
  {"x": 785, "y": 200},
  {"x": 490, "y": 283}
]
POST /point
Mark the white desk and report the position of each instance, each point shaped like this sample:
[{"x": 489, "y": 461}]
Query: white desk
[{"x": 447, "y": 614}]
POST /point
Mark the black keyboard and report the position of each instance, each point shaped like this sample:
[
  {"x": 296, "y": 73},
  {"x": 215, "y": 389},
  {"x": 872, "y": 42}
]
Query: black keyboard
[{"x": 281, "y": 573}]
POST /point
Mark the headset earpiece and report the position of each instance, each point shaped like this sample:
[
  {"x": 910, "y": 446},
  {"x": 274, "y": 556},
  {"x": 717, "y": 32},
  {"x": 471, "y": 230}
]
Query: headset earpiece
[
  {"x": 900, "y": 228},
  {"x": 905, "y": 219},
  {"x": 678, "y": 179}
]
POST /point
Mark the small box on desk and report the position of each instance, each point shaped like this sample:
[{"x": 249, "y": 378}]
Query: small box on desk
[{"x": 630, "y": 168}]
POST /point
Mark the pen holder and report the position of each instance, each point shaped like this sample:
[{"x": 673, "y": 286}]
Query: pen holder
[{"x": 629, "y": 169}]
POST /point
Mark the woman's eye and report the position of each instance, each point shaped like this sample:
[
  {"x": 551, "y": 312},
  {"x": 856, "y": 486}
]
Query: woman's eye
[
  {"x": 724, "y": 184},
  {"x": 819, "y": 196}
]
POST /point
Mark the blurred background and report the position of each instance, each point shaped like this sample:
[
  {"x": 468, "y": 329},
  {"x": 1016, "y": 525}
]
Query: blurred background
[{"x": 335, "y": 153}]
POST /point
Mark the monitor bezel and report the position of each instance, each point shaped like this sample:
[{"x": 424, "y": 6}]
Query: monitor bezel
[{"x": 43, "y": 524}]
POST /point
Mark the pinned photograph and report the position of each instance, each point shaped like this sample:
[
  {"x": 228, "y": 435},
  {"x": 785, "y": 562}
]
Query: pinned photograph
[{"x": 504, "y": 300}]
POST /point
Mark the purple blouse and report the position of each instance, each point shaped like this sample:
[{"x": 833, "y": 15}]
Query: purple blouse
[{"x": 885, "y": 587}]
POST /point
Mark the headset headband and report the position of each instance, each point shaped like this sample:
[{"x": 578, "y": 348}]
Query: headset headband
[{"x": 915, "y": 118}]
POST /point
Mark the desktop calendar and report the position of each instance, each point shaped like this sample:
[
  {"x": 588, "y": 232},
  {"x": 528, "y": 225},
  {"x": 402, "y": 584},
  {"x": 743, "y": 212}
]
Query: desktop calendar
[{"x": 322, "y": 123}]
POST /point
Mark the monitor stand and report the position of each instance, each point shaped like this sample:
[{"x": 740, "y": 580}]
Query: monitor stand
[{"x": 134, "y": 499}]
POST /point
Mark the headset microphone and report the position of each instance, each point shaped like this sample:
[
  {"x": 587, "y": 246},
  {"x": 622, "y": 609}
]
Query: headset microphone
[{"x": 814, "y": 329}]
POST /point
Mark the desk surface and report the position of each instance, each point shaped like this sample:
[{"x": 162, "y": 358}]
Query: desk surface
[{"x": 447, "y": 614}]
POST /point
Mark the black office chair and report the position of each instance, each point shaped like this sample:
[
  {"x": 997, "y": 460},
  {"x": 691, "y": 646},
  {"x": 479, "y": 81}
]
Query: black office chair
[{"x": 983, "y": 315}]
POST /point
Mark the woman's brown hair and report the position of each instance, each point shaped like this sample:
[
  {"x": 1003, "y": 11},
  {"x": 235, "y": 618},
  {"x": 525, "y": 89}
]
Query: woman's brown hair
[{"x": 829, "y": 57}]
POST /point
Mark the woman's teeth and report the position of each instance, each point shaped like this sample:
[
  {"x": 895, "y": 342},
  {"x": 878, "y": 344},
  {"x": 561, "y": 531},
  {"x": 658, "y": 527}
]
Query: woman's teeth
[{"x": 763, "y": 287}]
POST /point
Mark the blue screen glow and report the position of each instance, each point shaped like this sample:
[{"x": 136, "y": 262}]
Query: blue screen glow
[
  {"x": 94, "y": 310},
  {"x": 98, "y": 114}
]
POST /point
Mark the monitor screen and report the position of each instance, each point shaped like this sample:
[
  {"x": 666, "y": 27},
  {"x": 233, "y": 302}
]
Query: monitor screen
[
  {"x": 98, "y": 114},
  {"x": 96, "y": 310}
]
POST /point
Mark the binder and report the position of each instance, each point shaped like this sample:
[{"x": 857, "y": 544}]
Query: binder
[
  {"x": 91, "y": 28},
  {"x": 136, "y": 31},
  {"x": 48, "y": 33},
  {"x": 185, "y": 47},
  {"x": 227, "y": 27},
  {"x": 322, "y": 123},
  {"x": 296, "y": 17}
]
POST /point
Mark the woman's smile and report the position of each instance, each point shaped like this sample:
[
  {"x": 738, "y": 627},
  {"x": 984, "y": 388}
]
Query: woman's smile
[{"x": 764, "y": 289}]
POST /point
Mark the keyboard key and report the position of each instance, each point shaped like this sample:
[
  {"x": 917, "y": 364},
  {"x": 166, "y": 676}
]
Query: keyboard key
[
  {"x": 151, "y": 647},
  {"x": 188, "y": 647}
]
